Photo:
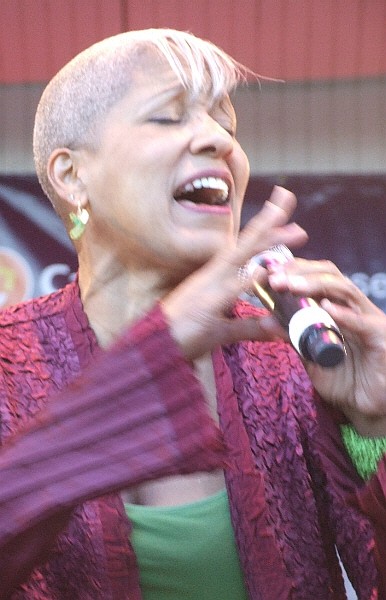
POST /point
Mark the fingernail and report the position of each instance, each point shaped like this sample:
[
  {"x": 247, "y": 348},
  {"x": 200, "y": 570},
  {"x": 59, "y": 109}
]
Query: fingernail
[{"x": 325, "y": 303}]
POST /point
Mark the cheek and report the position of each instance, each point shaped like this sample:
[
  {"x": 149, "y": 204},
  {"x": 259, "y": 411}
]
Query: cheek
[{"x": 242, "y": 170}]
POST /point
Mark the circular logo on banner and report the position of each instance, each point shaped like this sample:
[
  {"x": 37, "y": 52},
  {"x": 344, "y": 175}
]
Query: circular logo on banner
[{"x": 15, "y": 278}]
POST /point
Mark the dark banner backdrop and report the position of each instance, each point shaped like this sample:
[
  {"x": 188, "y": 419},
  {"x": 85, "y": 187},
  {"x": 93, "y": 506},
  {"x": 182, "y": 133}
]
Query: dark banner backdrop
[{"x": 345, "y": 217}]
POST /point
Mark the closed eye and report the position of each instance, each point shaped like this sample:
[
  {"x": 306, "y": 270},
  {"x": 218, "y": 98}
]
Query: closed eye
[
  {"x": 230, "y": 130},
  {"x": 165, "y": 121}
]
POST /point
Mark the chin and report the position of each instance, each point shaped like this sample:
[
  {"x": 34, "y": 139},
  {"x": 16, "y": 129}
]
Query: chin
[
  {"x": 198, "y": 259},
  {"x": 194, "y": 253}
]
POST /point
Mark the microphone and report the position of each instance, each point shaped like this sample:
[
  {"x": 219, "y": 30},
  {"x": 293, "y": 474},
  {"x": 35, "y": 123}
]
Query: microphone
[{"x": 312, "y": 331}]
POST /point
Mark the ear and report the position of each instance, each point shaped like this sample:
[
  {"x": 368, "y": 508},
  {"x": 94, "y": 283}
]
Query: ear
[{"x": 62, "y": 171}]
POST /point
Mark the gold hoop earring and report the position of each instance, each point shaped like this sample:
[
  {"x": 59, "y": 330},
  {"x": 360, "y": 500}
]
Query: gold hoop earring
[{"x": 79, "y": 220}]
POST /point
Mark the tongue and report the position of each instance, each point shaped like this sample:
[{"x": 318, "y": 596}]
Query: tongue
[{"x": 202, "y": 196}]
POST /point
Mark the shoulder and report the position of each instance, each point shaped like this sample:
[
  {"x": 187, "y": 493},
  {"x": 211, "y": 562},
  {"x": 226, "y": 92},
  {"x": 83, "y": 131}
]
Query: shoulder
[
  {"x": 41, "y": 326},
  {"x": 38, "y": 308},
  {"x": 42, "y": 345}
]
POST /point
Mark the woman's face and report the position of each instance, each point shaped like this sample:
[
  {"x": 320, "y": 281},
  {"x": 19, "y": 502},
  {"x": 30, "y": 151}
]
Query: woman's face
[{"x": 167, "y": 181}]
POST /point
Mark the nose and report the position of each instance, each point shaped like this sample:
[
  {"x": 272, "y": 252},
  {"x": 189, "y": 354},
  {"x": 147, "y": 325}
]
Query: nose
[{"x": 209, "y": 137}]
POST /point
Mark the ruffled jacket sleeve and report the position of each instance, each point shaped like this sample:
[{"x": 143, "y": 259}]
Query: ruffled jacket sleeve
[
  {"x": 136, "y": 413},
  {"x": 353, "y": 493},
  {"x": 371, "y": 499}
]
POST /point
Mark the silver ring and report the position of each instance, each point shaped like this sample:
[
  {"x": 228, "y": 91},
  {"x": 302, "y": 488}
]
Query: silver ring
[{"x": 243, "y": 276}]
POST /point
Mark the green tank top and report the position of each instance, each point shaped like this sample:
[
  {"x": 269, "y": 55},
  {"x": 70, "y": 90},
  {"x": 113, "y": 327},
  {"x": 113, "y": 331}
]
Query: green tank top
[{"x": 187, "y": 551}]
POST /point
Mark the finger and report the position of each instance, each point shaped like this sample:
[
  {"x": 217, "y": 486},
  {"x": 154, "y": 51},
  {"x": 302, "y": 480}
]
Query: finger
[
  {"x": 275, "y": 212},
  {"x": 267, "y": 228},
  {"x": 284, "y": 202},
  {"x": 303, "y": 266},
  {"x": 297, "y": 273},
  {"x": 259, "y": 328},
  {"x": 333, "y": 285},
  {"x": 354, "y": 319},
  {"x": 270, "y": 226}
]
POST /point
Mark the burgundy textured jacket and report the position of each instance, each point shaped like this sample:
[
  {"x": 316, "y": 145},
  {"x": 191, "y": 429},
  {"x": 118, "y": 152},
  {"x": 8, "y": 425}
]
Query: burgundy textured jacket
[{"x": 137, "y": 412}]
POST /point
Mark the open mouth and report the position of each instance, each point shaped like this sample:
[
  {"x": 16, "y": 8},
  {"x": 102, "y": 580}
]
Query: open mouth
[{"x": 213, "y": 191}]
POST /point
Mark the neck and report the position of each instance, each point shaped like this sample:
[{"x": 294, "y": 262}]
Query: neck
[{"x": 115, "y": 297}]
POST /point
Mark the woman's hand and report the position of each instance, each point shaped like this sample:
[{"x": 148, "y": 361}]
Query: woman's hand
[
  {"x": 198, "y": 309},
  {"x": 358, "y": 385}
]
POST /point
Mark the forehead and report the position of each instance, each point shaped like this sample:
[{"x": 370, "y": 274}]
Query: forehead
[
  {"x": 154, "y": 78},
  {"x": 198, "y": 75}
]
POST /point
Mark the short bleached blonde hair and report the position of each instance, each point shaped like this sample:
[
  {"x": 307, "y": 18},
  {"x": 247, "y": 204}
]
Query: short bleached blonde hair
[{"x": 78, "y": 98}]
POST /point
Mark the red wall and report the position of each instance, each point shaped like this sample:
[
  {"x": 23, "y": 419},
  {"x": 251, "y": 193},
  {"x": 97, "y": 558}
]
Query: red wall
[{"x": 290, "y": 39}]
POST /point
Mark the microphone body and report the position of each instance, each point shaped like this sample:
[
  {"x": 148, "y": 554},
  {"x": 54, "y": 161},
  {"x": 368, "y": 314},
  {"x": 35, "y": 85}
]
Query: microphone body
[{"x": 312, "y": 331}]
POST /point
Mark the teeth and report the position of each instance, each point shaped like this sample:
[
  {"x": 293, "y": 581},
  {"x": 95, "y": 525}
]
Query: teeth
[
  {"x": 214, "y": 183},
  {"x": 218, "y": 196},
  {"x": 197, "y": 184}
]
